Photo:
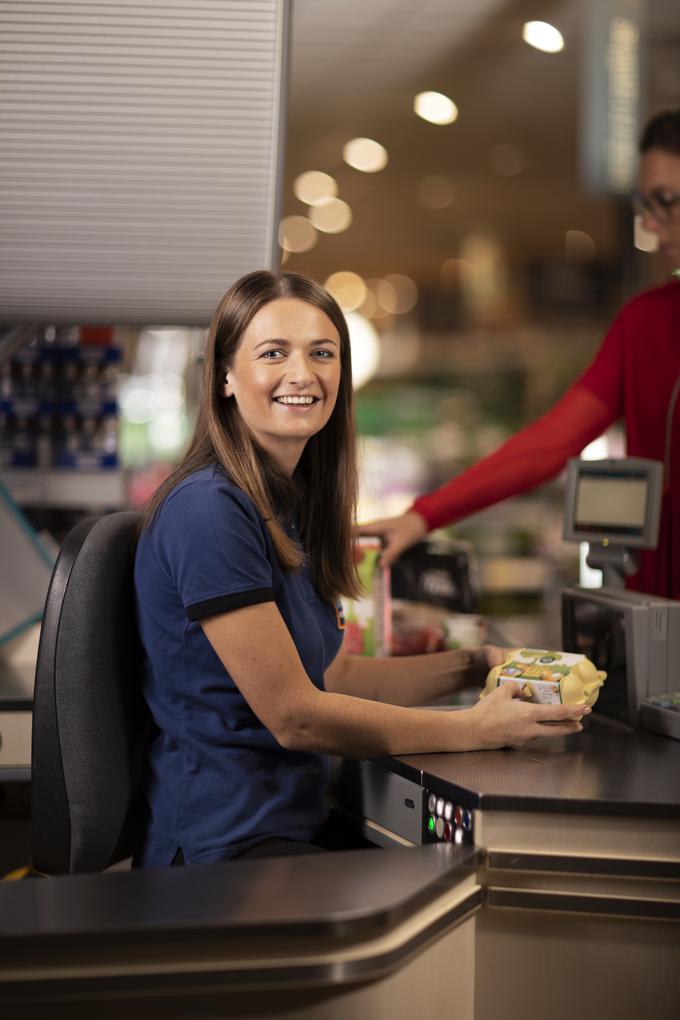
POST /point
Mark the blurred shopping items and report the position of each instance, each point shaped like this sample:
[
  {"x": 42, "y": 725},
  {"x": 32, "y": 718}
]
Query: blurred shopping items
[
  {"x": 437, "y": 571},
  {"x": 368, "y": 619},
  {"x": 435, "y": 597},
  {"x": 418, "y": 628},
  {"x": 424, "y": 603}
]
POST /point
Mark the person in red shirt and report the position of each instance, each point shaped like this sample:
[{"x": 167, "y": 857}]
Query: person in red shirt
[{"x": 634, "y": 375}]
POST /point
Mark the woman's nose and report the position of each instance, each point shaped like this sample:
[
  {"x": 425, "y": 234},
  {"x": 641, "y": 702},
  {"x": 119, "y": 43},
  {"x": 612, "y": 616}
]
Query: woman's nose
[{"x": 298, "y": 369}]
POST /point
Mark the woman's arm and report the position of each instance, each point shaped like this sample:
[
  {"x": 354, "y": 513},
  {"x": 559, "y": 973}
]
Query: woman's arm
[
  {"x": 255, "y": 646},
  {"x": 411, "y": 679}
]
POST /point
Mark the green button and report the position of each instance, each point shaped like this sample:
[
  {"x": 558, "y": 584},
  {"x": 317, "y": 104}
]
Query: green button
[{"x": 430, "y": 823}]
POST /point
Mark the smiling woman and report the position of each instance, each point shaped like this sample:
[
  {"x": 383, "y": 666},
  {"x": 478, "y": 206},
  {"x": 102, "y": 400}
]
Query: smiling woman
[
  {"x": 285, "y": 377},
  {"x": 243, "y": 555},
  {"x": 280, "y": 335}
]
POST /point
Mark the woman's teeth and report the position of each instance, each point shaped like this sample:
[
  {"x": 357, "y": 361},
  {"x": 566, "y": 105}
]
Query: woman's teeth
[{"x": 295, "y": 400}]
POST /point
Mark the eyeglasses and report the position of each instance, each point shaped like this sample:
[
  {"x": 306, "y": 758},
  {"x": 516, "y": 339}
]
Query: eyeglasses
[{"x": 659, "y": 204}]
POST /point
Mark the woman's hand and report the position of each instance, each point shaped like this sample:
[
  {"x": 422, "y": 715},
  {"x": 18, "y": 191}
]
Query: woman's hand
[
  {"x": 397, "y": 533},
  {"x": 504, "y": 719}
]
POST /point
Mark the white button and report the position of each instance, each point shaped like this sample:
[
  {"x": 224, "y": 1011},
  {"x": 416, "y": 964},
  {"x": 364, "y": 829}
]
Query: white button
[
  {"x": 431, "y": 803},
  {"x": 439, "y": 827},
  {"x": 458, "y": 837},
  {"x": 448, "y": 810},
  {"x": 440, "y": 806}
]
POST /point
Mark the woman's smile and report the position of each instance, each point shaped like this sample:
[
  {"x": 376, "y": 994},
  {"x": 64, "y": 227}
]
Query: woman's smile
[{"x": 297, "y": 402}]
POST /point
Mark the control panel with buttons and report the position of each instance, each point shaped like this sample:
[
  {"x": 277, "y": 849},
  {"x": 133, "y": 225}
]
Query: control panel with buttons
[
  {"x": 398, "y": 810},
  {"x": 445, "y": 822}
]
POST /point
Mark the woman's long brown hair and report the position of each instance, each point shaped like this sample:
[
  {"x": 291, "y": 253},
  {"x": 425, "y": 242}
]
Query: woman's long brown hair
[{"x": 327, "y": 470}]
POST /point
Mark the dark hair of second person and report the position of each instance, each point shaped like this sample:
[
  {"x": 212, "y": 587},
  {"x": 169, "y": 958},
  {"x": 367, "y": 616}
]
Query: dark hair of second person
[{"x": 662, "y": 131}]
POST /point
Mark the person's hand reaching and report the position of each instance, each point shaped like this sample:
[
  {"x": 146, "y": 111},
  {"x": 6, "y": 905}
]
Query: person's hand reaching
[{"x": 397, "y": 533}]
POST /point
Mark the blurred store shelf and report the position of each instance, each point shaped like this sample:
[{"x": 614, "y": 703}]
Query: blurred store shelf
[
  {"x": 514, "y": 573},
  {"x": 540, "y": 630},
  {"x": 64, "y": 489}
]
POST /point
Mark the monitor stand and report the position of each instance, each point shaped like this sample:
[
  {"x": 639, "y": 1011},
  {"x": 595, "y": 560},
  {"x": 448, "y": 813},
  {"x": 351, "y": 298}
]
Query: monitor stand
[{"x": 615, "y": 562}]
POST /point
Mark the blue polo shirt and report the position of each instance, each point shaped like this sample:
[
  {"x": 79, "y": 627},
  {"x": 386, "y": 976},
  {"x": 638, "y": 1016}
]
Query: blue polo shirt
[{"x": 217, "y": 781}]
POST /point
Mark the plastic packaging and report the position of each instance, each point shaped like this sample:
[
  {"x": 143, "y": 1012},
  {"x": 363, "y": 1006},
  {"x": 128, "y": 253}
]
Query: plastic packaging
[{"x": 549, "y": 678}]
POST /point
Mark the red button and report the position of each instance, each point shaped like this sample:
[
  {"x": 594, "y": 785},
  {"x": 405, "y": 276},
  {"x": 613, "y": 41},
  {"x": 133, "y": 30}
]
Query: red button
[
  {"x": 458, "y": 815},
  {"x": 447, "y": 832}
]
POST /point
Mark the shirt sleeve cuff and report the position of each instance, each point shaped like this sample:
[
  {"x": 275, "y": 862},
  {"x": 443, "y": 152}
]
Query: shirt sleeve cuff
[
  {"x": 225, "y": 603},
  {"x": 421, "y": 507}
]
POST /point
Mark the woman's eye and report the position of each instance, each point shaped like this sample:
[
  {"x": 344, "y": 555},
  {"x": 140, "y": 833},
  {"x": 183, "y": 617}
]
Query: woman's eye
[
  {"x": 324, "y": 354},
  {"x": 272, "y": 355}
]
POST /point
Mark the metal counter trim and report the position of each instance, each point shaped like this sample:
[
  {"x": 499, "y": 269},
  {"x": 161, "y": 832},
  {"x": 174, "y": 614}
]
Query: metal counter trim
[
  {"x": 568, "y": 864},
  {"x": 601, "y": 906}
]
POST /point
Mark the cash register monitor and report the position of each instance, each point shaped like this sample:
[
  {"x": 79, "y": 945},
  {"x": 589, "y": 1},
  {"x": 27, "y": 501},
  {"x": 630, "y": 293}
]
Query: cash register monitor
[
  {"x": 615, "y": 505},
  {"x": 613, "y": 502}
]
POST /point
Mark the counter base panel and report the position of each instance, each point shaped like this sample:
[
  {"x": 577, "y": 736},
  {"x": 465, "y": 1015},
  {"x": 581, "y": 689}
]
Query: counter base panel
[{"x": 586, "y": 966}]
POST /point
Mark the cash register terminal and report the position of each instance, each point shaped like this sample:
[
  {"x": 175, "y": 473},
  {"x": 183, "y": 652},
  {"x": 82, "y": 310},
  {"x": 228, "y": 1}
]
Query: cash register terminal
[{"x": 615, "y": 506}]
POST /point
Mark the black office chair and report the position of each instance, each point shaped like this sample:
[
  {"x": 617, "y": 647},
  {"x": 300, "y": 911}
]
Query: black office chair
[{"x": 89, "y": 718}]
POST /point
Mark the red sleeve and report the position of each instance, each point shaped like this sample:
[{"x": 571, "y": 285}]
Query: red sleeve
[
  {"x": 532, "y": 456},
  {"x": 604, "y": 375}
]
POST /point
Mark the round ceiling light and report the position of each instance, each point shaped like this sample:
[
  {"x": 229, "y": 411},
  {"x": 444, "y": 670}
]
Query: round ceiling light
[
  {"x": 365, "y": 154},
  {"x": 435, "y": 108}
]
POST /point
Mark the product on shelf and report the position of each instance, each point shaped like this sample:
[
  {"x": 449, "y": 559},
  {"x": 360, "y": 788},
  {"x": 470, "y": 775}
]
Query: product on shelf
[{"x": 58, "y": 405}]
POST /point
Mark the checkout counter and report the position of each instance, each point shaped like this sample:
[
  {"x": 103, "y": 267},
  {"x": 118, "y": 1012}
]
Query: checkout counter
[
  {"x": 562, "y": 896},
  {"x": 541, "y": 882}
]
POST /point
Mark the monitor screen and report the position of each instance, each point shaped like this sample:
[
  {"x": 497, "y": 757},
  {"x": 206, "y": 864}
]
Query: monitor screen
[{"x": 613, "y": 502}]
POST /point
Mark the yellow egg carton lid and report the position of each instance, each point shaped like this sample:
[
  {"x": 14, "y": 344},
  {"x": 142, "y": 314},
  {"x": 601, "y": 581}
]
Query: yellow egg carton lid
[{"x": 549, "y": 677}]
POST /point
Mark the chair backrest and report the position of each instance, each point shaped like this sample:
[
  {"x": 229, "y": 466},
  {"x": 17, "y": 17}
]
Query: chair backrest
[{"x": 89, "y": 718}]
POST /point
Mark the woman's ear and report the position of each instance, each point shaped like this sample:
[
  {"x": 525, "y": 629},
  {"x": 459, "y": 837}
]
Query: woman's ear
[{"x": 228, "y": 388}]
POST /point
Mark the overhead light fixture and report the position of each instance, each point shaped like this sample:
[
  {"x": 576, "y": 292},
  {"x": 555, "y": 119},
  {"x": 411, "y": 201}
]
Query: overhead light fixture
[
  {"x": 542, "y": 36},
  {"x": 348, "y": 289},
  {"x": 435, "y": 108},
  {"x": 385, "y": 295},
  {"x": 406, "y": 292},
  {"x": 296, "y": 234},
  {"x": 331, "y": 216},
  {"x": 380, "y": 299},
  {"x": 365, "y": 154},
  {"x": 314, "y": 187}
]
